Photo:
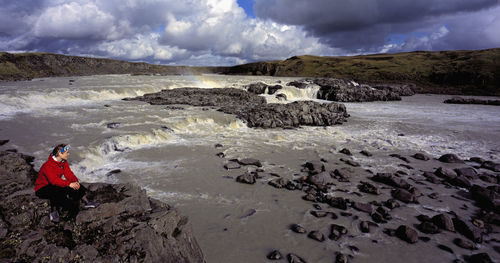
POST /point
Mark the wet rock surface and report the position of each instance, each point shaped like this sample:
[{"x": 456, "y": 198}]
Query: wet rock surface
[
  {"x": 348, "y": 91},
  {"x": 460, "y": 100},
  {"x": 253, "y": 109},
  {"x": 128, "y": 226}
]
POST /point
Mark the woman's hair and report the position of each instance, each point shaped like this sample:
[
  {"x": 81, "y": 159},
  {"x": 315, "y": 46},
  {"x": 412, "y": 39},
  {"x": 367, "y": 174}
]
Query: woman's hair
[{"x": 57, "y": 149}]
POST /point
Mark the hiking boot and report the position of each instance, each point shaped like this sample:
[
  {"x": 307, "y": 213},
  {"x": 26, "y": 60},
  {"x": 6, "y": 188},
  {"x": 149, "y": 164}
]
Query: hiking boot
[
  {"x": 91, "y": 204},
  {"x": 54, "y": 217}
]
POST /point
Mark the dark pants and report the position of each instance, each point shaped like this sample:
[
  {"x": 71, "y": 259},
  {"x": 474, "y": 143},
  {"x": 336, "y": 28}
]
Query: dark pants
[{"x": 65, "y": 197}]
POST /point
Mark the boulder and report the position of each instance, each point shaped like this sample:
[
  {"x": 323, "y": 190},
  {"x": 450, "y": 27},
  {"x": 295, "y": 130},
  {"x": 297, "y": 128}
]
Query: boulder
[
  {"x": 279, "y": 182},
  {"x": 368, "y": 188},
  {"x": 2, "y": 142},
  {"x": 407, "y": 234},
  {"x": 391, "y": 180},
  {"x": 274, "y": 255},
  {"x": 443, "y": 221},
  {"x": 468, "y": 229},
  {"x": 281, "y": 97},
  {"x": 450, "y": 158},
  {"x": 421, "y": 156},
  {"x": 250, "y": 161},
  {"x": 479, "y": 258},
  {"x": 337, "y": 202},
  {"x": 256, "y": 88},
  {"x": 495, "y": 167},
  {"x": 292, "y": 258},
  {"x": 460, "y": 100},
  {"x": 428, "y": 228},
  {"x": 337, "y": 231},
  {"x": 363, "y": 207},
  {"x": 314, "y": 167},
  {"x": 298, "y": 229},
  {"x": 486, "y": 198},
  {"x": 404, "y": 196},
  {"x": 464, "y": 243},
  {"x": 246, "y": 178},
  {"x": 320, "y": 180},
  {"x": 445, "y": 173},
  {"x": 113, "y": 125},
  {"x": 366, "y": 153},
  {"x": 348, "y": 91},
  {"x": 232, "y": 165},
  {"x": 316, "y": 235},
  {"x": 468, "y": 172}
]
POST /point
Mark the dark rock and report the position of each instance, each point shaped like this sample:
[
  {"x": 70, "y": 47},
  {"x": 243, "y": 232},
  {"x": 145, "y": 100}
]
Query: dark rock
[
  {"x": 314, "y": 167},
  {"x": 460, "y": 181},
  {"x": 433, "y": 195},
  {"x": 274, "y": 255},
  {"x": 432, "y": 178},
  {"x": 174, "y": 108},
  {"x": 316, "y": 235},
  {"x": 341, "y": 258},
  {"x": 319, "y": 213},
  {"x": 404, "y": 196},
  {"x": 364, "y": 227},
  {"x": 218, "y": 145},
  {"x": 127, "y": 218},
  {"x": 309, "y": 197},
  {"x": 292, "y": 258},
  {"x": 348, "y": 91},
  {"x": 281, "y": 97},
  {"x": 232, "y": 165},
  {"x": 478, "y": 160},
  {"x": 250, "y": 161},
  {"x": 407, "y": 234},
  {"x": 337, "y": 202},
  {"x": 252, "y": 108},
  {"x": 367, "y": 208},
  {"x": 345, "y": 151},
  {"x": 272, "y": 89},
  {"x": 350, "y": 162},
  {"x": 337, "y": 231},
  {"x": 445, "y": 248},
  {"x": 443, "y": 221},
  {"x": 298, "y": 229},
  {"x": 486, "y": 198},
  {"x": 495, "y": 167},
  {"x": 113, "y": 125},
  {"x": 468, "y": 172},
  {"x": 479, "y": 258},
  {"x": 320, "y": 180},
  {"x": 450, "y": 158},
  {"x": 317, "y": 207},
  {"x": 391, "y": 203},
  {"x": 378, "y": 218},
  {"x": 256, "y": 88},
  {"x": 421, "y": 156},
  {"x": 391, "y": 180},
  {"x": 445, "y": 173},
  {"x": 428, "y": 228},
  {"x": 366, "y": 153},
  {"x": 464, "y": 243},
  {"x": 409, "y": 167},
  {"x": 424, "y": 239},
  {"x": 298, "y": 84},
  {"x": 395, "y": 155},
  {"x": 368, "y": 188},
  {"x": 488, "y": 178},
  {"x": 115, "y": 171},
  {"x": 246, "y": 178},
  {"x": 342, "y": 174},
  {"x": 467, "y": 229},
  {"x": 278, "y": 183},
  {"x": 220, "y": 155},
  {"x": 2, "y": 142},
  {"x": 460, "y": 100}
]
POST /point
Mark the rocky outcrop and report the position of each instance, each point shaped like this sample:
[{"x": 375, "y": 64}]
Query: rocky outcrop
[
  {"x": 260, "y": 88},
  {"x": 460, "y": 100},
  {"x": 349, "y": 91},
  {"x": 252, "y": 108},
  {"x": 128, "y": 226}
]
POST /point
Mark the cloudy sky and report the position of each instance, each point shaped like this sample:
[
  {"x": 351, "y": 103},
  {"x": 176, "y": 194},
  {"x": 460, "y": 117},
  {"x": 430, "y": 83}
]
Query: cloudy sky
[{"x": 229, "y": 32}]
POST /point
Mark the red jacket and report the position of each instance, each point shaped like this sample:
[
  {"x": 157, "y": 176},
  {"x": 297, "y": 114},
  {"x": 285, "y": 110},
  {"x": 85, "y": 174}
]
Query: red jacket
[{"x": 52, "y": 171}]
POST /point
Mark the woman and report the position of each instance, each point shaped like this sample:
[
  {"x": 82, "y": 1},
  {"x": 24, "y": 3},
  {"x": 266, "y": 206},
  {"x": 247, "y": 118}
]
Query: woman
[{"x": 62, "y": 192}]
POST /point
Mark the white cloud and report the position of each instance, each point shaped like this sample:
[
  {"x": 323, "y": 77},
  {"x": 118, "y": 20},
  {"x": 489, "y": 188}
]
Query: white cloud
[{"x": 79, "y": 21}]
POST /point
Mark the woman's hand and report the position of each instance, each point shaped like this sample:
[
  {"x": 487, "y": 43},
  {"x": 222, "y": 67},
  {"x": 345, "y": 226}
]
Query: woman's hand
[{"x": 75, "y": 185}]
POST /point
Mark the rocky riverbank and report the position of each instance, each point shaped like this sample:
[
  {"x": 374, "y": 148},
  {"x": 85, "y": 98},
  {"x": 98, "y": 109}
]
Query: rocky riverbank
[
  {"x": 251, "y": 108},
  {"x": 128, "y": 226},
  {"x": 446, "y": 207}
]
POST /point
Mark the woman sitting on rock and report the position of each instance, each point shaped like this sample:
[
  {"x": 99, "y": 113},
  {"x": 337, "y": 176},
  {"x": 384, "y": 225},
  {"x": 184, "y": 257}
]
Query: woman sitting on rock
[{"x": 62, "y": 192}]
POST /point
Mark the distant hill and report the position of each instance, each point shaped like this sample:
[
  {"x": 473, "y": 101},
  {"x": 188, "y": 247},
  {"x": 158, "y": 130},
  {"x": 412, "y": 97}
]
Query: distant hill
[
  {"x": 447, "y": 72},
  {"x": 25, "y": 66}
]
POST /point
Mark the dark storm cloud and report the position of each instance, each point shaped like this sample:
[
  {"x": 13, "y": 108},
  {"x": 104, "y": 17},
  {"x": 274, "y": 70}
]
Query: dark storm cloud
[{"x": 365, "y": 24}]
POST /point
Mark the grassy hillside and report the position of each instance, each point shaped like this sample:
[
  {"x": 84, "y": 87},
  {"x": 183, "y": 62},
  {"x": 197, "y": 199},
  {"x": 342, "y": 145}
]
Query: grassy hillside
[
  {"x": 25, "y": 66},
  {"x": 450, "y": 72}
]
